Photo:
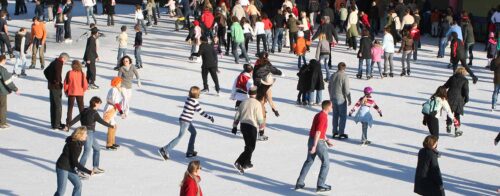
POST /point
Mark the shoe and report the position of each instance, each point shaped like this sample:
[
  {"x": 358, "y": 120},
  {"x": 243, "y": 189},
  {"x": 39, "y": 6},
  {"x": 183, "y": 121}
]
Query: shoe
[
  {"x": 111, "y": 148},
  {"x": 191, "y": 154},
  {"x": 368, "y": 77},
  {"x": 4, "y": 126},
  {"x": 391, "y": 75},
  {"x": 43, "y": 67},
  {"x": 204, "y": 91},
  {"x": 61, "y": 127},
  {"x": 458, "y": 133},
  {"x": 326, "y": 80},
  {"x": 93, "y": 86},
  {"x": 248, "y": 167},
  {"x": 12, "y": 56},
  {"x": 384, "y": 75},
  {"x": 97, "y": 170},
  {"x": 23, "y": 74},
  {"x": 68, "y": 41},
  {"x": 238, "y": 167},
  {"x": 323, "y": 189},
  {"x": 474, "y": 80},
  {"x": 116, "y": 68},
  {"x": 262, "y": 138},
  {"x": 343, "y": 136},
  {"x": 299, "y": 186},
  {"x": 448, "y": 129},
  {"x": 335, "y": 135},
  {"x": 469, "y": 64},
  {"x": 408, "y": 72},
  {"x": 403, "y": 73},
  {"x": 116, "y": 145},
  {"x": 31, "y": 67},
  {"x": 164, "y": 154},
  {"x": 218, "y": 93},
  {"x": 358, "y": 76}
]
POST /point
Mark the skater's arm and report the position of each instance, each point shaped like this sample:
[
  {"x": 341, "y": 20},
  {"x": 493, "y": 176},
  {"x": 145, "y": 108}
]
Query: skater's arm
[
  {"x": 73, "y": 159},
  {"x": 7, "y": 80},
  {"x": 198, "y": 109},
  {"x": 447, "y": 108},
  {"x": 356, "y": 106},
  {"x": 76, "y": 119},
  {"x": 345, "y": 90},
  {"x": 497, "y": 139},
  {"x": 98, "y": 118}
]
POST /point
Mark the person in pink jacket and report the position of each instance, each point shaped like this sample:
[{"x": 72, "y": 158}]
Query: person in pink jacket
[
  {"x": 377, "y": 53},
  {"x": 75, "y": 86}
]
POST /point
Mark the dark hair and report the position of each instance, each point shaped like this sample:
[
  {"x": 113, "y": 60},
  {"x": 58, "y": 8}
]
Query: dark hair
[
  {"x": 365, "y": 32},
  {"x": 234, "y": 19},
  {"x": 204, "y": 39},
  {"x": 429, "y": 141},
  {"x": 123, "y": 58},
  {"x": 441, "y": 92},
  {"x": 341, "y": 66},
  {"x": 325, "y": 104},
  {"x": 35, "y": 19},
  {"x": 123, "y": 28},
  {"x": 94, "y": 101},
  {"x": 247, "y": 68}
]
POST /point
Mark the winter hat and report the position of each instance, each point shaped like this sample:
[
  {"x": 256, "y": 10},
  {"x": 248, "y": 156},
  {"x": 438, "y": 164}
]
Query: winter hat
[
  {"x": 268, "y": 80},
  {"x": 115, "y": 81},
  {"x": 368, "y": 90},
  {"x": 196, "y": 23},
  {"x": 300, "y": 34},
  {"x": 59, "y": 10}
]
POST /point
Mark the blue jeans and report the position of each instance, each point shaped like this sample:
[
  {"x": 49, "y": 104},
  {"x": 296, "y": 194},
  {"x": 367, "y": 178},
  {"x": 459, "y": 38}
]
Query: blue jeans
[
  {"x": 301, "y": 58},
  {"x": 322, "y": 153},
  {"x": 91, "y": 143},
  {"x": 20, "y": 61},
  {"x": 278, "y": 39},
  {"x": 379, "y": 68},
  {"x": 368, "y": 66},
  {"x": 494, "y": 98},
  {"x": 183, "y": 127},
  {"x": 62, "y": 176},
  {"x": 137, "y": 53},
  {"x": 339, "y": 116},
  {"x": 269, "y": 38},
  {"x": 243, "y": 51},
  {"x": 319, "y": 96},
  {"x": 443, "y": 41},
  {"x": 325, "y": 59},
  {"x": 417, "y": 46},
  {"x": 90, "y": 12},
  {"x": 121, "y": 54}
]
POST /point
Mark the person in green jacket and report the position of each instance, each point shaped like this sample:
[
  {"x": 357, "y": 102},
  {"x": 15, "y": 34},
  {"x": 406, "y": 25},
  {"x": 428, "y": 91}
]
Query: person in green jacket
[
  {"x": 6, "y": 87},
  {"x": 238, "y": 40}
]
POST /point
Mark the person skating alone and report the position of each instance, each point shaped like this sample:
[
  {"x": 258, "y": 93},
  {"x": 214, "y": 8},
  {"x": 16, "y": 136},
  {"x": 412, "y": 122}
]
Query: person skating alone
[
  {"x": 250, "y": 117},
  {"x": 242, "y": 85},
  {"x": 340, "y": 96},
  {"x": 114, "y": 105},
  {"x": 209, "y": 64},
  {"x": 4, "y": 33},
  {"x": 53, "y": 74},
  {"x": 21, "y": 45},
  {"x": 127, "y": 72},
  {"x": 376, "y": 52},
  {"x": 317, "y": 145},
  {"x": 191, "y": 106},
  {"x": 38, "y": 37},
  {"x": 138, "y": 47},
  {"x": 122, "y": 40},
  {"x": 363, "y": 115},
  {"x": 495, "y": 66},
  {"x": 90, "y": 57},
  {"x": 428, "y": 180},
  {"x": 407, "y": 48},
  {"x": 388, "y": 46},
  {"x": 6, "y": 87}
]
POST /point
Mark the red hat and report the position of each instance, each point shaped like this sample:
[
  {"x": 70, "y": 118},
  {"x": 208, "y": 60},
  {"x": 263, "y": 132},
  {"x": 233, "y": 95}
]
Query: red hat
[{"x": 196, "y": 23}]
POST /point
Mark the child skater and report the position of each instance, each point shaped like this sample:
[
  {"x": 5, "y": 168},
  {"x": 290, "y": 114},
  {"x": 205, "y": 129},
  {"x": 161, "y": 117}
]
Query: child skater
[
  {"x": 139, "y": 18},
  {"x": 191, "y": 106},
  {"x": 377, "y": 51},
  {"x": 300, "y": 48},
  {"x": 114, "y": 104},
  {"x": 491, "y": 48},
  {"x": 363, "y": 115}
]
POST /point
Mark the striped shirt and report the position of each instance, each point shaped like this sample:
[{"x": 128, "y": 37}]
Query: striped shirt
[
  {"x": 370, "y": 102},
  {"x": 190, "y": 107}
]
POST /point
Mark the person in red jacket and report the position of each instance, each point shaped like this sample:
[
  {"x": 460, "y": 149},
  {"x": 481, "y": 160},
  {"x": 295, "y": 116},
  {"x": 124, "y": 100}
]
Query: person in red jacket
[
  {"x": 415, "y": 35},
  {"x": 190, "y": 185},
  {"x": 75, "y": 85},
  {"x": 207, "y": 19}
]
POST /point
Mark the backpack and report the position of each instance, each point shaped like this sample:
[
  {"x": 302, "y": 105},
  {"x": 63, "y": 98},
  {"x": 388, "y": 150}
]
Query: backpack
[
  {"x": 429, "y": 107},
  {"x": 49, "y": 72}
]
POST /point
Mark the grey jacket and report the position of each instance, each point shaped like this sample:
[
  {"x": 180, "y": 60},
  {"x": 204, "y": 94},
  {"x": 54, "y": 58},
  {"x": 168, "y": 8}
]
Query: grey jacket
[
  {"x": 338, "y": 87},
  {"x": 323, "y": 48},
  {"x": 128, "y": 75},
  {"x": 6, "y": 86}
]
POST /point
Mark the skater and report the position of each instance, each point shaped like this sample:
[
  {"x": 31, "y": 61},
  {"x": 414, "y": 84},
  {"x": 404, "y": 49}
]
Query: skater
[
  {"x": 330, "y": 32},
  {"x": 191, "y": 106},
  {"x": 122, "y": 40},
  {"x": 21, "y": 46},
  {"x": 88, "y": 117},
  {"x": 68, "y": 162},
  {"x": 127, "y": 73},
  {"x": 110, "y": 11},
  {"x": 300, "y": 49},
  {"x": 238, "y": 39},
  {"x": 38, "y": 37},
  {"x": 59, "y": 26},
  {"x": 376, "y": 54},
  {"x": 209, "y": 64},
  {"x": 193, "y": 39},
  {"x": 293, "y": 29},
  {"x": 495, "y": 66},
  {"x": 90, "y": 57},
  {"x": 352, "y": 28},
  {"x": 437, "y": 103},
  {"x": 279, "y": 22},
  {"x": 89, "y": 9},
  {"x": 407, "y": 47},
  {"x": 304, "y": 85},
  {"x": 428, "y": 180},
  {"x": 260, "y": 34},
  {"x": 138, "y": 46},
  {"x": 415, "y": 35},
  {"x": 363, "y": 115},
  {"x": 248, "y": 32},
  {"x": 491, "y": 49},
  {"x": 318, "y": 145},
  {"x": 190, "y": 185},
  {"x": 340, "y": 96},
  {"x": 250, "y": 116},
  {"x": 67, "y": 10},
  {"x": 139, "y": 18},
  {"x": 317, "y": 83},
  {"x": 458, "y": 96},
  {"x": 242, "y": 85},
  {"x": 457, "y": 55},
  {"x": 364, "y": 54},
  {"x": 53, "y": 73},
  {"x": 75, "y": 85},
  {"x": 4, "y": 33},
  {"x": 323, "y": 52},
  {"x": 114, "y": 104},
  {"x": 388, "y": 46},
  {"x": 6, "y": 87}
]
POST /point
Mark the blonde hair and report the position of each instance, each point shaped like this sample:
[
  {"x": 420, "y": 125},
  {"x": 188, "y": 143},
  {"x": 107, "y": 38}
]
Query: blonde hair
[
  {"x": 78, "y": 133},
  {"x": 194, "y": 92},
  {"x": 461, "y": 70},
  {"x": 322, "y": 36}
]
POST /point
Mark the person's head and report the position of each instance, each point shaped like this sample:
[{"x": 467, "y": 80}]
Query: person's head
[
  {"x": 80, "y": 134},
  {"x": 94, "y": 31},
  {"x": 353, "y": 8},
  {"x": 322, "y": 36},
  {"x": 3, "y": 59},
  {"x": 264, "y": 16},
  {"x": 374, "y": 3},
  {"x": 415, "y": 11},
  {"x": 407, "y": 11},
  {"x": 341, "y": 66},
  {"x": 137, "y": 28},
  {"x": 125, "y": 61},
  {"x": 92, "y": 25},
  {"x": 430, "y": 142},
  {"x": 35, "y": 20},
  {"x": 387, "y": 30},
  {"x": 259, "y": 18},
  {"x": 303, "y": 14},
  {"x": 23, "y": 30},
  {"x": 461, "y": 71},
  {"x": 252, "y": 92},
  {"x": 326, "y": 19},
  {"x": 95, "y": 102},
  {"x": 64, "y": 57},
  {"x": 414, "y": 26},
  {"x": 76, "y": 65},
  {"x": 194, "y": 92},
  {"x": 137, "y": 7},
  {"x": 368, "y": 90},
  {"x": 342, "y": 4},
  {"x": 326, "y": 106},
  {"x": 193, "y": 170},
  {"x": 405, "y": 33},
  {"x": 376, "y": 42},
  {"x": 59, "y": 10},
  {"x": 361, "y": 13},
  {"x": 3, "y": 14},
  {"x": 365, "y": 33},
  {"x": 123, "y": 28},
  {"x": 300, "y": 34},
  {"x": 234, "y": 19},
  {"x": 116, "y": 82},
  {"x": 68, "y": 2},
  {"x": 441, "y": 93},
  {"x": 248, "y": 68}
]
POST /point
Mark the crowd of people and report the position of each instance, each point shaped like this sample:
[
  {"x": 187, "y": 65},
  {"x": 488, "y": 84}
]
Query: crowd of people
[{"x": 213, "y": 25}]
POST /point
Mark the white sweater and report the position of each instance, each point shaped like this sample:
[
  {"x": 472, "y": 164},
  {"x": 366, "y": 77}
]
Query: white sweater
[
  {"x": 388, "y": 43},
  {"x": 259, "y": 28},
  {"x": 139, "y": 15}
]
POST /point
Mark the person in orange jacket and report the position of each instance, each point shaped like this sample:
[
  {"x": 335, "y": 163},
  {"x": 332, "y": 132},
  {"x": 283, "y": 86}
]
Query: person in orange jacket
[{"x": 300, "y": 48}]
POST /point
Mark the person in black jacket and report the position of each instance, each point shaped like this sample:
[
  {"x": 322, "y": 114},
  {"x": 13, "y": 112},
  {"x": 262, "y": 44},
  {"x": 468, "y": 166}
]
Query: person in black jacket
[
  {"x": 55, "y": 86},
  {"x": 68, "y": 161},
  {"x": 90, "y": 57},
  {"x": 138, "y": 46},
  {"x": 457, "y": 55},
  {"x": 6, "y": 87},
  {"x": 317, "y": 83},
  {"x": 428, "y": 180},
  {"x": 458, "y": 96},
  {"x": 209, "y": 64},
  {"x": 329, "y": 30},
  {"x": 304, "y": 85},
  {"x": 364, "y": 54},
  {"x": 67, "y": 9},
  {"x": 279, "y": 22},
  {"x": 88, "y": 117}
]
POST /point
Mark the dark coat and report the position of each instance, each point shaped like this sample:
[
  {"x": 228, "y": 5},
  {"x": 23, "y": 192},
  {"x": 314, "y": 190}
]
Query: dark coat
[
  {"x": 261, "y": 71},
  {"x": 365, "y": 48},
  {"x": 110, "y": 9},
  {"x": 57, "y": 82},
  {"x": 90, "y": 49},
  {"x": 495, "y": 67},
  {"x": 88, "y": 117},
  {"x": 328, "y": 12},
  {"x": 457, "y": 51},
  {"x": 428, "y": 180},
  {"x": 68, "y": 9},
  {"x": 208, "y": 55},
  {"x": 458, "y": 92},
  {"x": 69, "y": 157},
  {"x": 329, "y": 30},
  {"x": 316, "y": 76},
  {"x": 304, "y": 75},
  {"x": 468, "y": 33}
]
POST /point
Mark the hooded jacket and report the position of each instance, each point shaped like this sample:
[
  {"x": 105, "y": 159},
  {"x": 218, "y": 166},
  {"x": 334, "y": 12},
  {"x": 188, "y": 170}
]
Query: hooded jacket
[{"x": 68, "y": 160}]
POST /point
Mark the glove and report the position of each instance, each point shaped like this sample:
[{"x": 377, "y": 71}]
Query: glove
[
  {"x": 276, "y": 113},
  {"x": 211, "y": 118},
  {"x": 234, "y": 130},
  {"x": 456, "y": 122},
  {"x": 350, "y": 113}
]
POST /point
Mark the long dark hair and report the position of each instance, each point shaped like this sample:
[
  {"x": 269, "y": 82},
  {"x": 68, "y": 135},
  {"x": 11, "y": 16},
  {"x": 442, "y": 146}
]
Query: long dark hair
[{"x": 441, "y": 93}]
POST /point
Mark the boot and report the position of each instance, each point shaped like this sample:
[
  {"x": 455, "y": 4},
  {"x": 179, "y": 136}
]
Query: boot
[
  {"x": 408, "y": 72},
  {"x": 458, "y": 133},
  {"x": 403, "y": 73}
]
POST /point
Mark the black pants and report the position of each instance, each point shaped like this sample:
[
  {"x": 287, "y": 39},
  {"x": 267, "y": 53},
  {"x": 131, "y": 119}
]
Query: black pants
[
  {"x": 292, "y": 36},
  {"x": 449, "y": 121},
  {"x": 229, "y": 43},
  {"x": 353, "y": 42},
  {"x": 5, "y": 40},
  {"x": 462, "y": 62},
  {"x": 261, "y": 37},
  {"x": 71, "y": 103},
  {"x": 221, "y": 35},
  {"x": 3, "y": 109},
  {"x": 55, "y": 107},
  {"x": 67, "y": 28},
  {"x": 213, "y": 73},
  {"x": 110, "y": 20},
  {"x": 250, "y": 136},
  {"x": 91, "y": 72},
  {"x": 248, "y": 38},
  {"x": 433, "y": 125}
]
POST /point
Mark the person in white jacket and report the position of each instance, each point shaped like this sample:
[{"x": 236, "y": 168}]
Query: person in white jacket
[
  {"x": 89, "y": 9},
  {"x": 388, "y": 46},
  {"x": 408, "y": 20},
  {"x": 139, "y": 18},
  {"x": 114, "y": 104},
  {"x": 438, "y": 102},
  {"x": 242, "y": 85}
]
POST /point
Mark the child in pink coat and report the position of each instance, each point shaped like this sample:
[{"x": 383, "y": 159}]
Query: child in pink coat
[{"x": 377, "y": 53}]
